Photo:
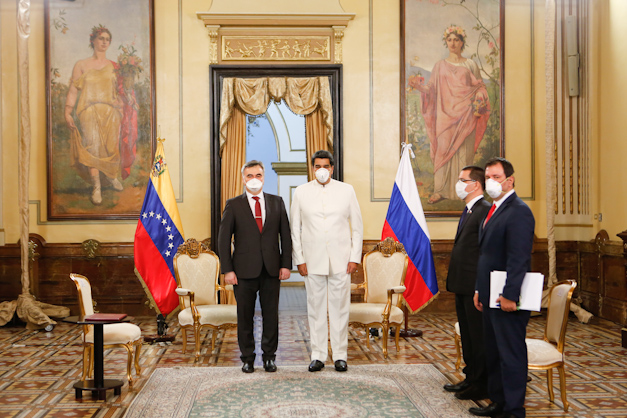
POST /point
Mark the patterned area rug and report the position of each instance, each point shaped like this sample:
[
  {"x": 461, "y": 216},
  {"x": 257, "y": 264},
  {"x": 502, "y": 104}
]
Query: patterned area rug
[{"x": 409, "y": 390}]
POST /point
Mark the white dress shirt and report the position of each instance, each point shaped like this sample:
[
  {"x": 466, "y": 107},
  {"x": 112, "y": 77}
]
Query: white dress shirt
[{"x": 252, "y": 203}]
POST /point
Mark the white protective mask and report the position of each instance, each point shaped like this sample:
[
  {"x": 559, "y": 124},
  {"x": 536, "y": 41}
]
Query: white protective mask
[
  {"x": 322, "y": 175},
  {"x": 493, "y": 188},
  {"x": 460, "y": 189},
  {"x": 254, "y": 185}
]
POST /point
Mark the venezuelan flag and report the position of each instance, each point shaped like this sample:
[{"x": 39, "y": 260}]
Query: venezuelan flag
[
  {"x": 158, "y": 236},
  {"x": 406, "y": 223}
]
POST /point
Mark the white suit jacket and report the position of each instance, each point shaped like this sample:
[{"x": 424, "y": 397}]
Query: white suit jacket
[{"x": 327, "y": 230}]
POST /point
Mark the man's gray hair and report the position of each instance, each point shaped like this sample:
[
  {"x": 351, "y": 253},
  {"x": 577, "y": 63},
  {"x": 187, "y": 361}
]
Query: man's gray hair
[{"x": 253, "y": 163}]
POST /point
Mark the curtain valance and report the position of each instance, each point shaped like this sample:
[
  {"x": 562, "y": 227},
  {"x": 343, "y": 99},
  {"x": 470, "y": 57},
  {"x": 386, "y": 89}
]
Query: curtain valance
[{"x": 252, "y": 96}]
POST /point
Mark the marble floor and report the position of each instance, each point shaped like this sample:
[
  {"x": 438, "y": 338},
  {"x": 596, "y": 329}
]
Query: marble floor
[{"x": 38, "y": 369}]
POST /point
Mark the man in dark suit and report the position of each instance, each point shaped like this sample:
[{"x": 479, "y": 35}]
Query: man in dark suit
[
  {"x": 262, "y": 256},
  {"x": 505, "y": 243},
  {"x": 462, "y": 274}
]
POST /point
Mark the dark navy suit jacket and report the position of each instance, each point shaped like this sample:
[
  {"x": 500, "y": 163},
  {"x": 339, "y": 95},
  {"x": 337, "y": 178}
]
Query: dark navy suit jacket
[{"x": 505, "y": 244}]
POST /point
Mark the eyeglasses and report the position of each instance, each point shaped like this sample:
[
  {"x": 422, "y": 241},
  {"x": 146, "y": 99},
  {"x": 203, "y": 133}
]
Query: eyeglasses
[{"x": 466, "y": 180}]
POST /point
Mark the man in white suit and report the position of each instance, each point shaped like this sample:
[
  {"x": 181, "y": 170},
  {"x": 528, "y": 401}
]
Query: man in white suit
[{"x": 327, "y": 234}]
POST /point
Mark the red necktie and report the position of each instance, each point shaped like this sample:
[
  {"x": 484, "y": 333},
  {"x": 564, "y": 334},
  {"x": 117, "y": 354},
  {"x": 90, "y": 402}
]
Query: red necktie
[
  {"x": 258, "y": 213},
  {"x": 492, "y": 209}
]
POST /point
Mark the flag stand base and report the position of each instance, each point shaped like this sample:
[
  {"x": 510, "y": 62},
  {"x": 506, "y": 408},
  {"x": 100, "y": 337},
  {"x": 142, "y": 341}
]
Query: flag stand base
[
  {"x": 408, "y": 333},
  {"x": 160, "y": 336},
  {"x": 151, "y": 339}
]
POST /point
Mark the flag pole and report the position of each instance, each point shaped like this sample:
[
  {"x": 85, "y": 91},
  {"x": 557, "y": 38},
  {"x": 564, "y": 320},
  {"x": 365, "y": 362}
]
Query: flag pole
[
  {"x": 162, "y": 325},
  {"x": 406, "y": 223},
  {"x": 408, "y": 332}
]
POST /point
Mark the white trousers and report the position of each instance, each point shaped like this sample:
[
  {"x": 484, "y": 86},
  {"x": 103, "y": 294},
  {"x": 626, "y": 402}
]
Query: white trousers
[{"x": 330, "y": 292}]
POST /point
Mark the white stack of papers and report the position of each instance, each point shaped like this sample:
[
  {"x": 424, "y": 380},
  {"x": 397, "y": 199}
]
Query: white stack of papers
[{"x": 530, "y": 291}]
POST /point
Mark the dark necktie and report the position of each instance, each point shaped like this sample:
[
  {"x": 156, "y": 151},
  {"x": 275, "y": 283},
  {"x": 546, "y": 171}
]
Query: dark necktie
[
  {"x": 258, "y": 213},
  {"x": 492, "y": 209},
  {"x": 462, "y": 219}
]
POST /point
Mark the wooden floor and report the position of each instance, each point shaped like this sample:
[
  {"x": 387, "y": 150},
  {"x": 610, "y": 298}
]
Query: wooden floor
[{"x": 38, "y": 369}]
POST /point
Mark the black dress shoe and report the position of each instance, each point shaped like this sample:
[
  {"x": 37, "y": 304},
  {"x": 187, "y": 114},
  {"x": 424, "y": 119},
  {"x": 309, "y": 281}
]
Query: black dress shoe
[
  {"x": 458, "y": 387},
  {"x": 506, "y": 415},
  {"x": 248, "y": 367},
  {"x": 472, "y": 393},
  {"x": 492, "y": 410},
  {"x": 316, "y": 366},
  {"x": 269, "y": 366},
  {"x": 341, "y": 366}
]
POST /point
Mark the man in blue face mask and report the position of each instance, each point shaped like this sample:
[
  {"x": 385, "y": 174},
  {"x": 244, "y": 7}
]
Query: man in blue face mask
[
  {"x": 327, "y": 235},
  {"x": 505, "y": 243},
  {"x": 262, "y": 256}
]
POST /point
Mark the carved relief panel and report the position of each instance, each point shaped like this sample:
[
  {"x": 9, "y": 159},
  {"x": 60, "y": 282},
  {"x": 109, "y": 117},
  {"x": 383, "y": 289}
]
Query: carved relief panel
[{"x": 266, "y": 38}]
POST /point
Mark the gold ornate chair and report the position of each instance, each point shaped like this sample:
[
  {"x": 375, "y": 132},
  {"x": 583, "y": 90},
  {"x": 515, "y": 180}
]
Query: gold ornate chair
[
  {"x": 384, "y": 277},
  {"x": 548, "y": 353},
  {"x": 458, "y": 346},
  {"x": 126, "y": 335},
  {"x": 197, "y": 271}
]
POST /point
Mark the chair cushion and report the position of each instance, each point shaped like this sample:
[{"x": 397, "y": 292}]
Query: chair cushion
[
  {"x": 116, "y": 333},
  {"x": 368, "y": 313},
  {"x": 210, "y": 315},
  {"x": 541, "y": 353}
]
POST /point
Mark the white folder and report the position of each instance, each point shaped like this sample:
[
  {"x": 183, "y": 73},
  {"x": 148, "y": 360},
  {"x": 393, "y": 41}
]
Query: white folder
[{"x": 530, "y": 291}]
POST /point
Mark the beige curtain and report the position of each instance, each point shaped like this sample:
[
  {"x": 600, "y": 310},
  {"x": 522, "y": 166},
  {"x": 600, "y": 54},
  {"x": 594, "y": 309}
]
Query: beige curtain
[
  {"x": 316, "y": 137},
  {"x": 233, "y": 156},
  {"x": 240, "y": 96},
  {"x": 31, "y": 311},
  {"x": 551, "y": 187}
]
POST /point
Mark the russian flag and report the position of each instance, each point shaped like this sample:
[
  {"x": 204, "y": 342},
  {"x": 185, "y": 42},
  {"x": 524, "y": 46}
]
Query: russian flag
[
  {"x": 158, "y": 236},
  {"x": 406, "y": 223}
]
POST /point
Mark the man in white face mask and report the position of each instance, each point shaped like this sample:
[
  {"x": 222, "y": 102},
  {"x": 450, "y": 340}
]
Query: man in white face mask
[
  {"x": 327, "y": 236},
  {"x": 462, "y": 273},
  {"x": 505, "y": 243},
  {"x": 262, "y": 256}
]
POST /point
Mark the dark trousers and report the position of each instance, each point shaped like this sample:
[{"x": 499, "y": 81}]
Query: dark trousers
[
  {"x": 506, "y": 355},
  {"x": 246, "y": 291},
  {"x": 471, "y": 329}
]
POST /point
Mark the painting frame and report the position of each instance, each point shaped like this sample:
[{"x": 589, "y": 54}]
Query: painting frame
[
  {"x": 110, "y": 90},
  {"x": 413, "y": 114}
]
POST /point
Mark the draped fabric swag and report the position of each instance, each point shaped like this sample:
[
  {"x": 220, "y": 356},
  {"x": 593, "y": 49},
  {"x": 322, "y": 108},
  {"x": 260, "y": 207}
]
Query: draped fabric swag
[
  {"x": 36, "y": 314},
  {"x": 310, "y": 97}
]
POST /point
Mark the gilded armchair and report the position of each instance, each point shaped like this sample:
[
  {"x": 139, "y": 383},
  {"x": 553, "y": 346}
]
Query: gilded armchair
[
  {"x": 125, "y": 335},
  {"x": 197, "y": 271},
  {"x": 384, "y": 277},
  {"x": 548, "y": 353}
]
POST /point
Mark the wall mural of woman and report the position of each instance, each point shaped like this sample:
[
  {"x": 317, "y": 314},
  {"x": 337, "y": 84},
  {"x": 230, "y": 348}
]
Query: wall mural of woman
[
  {"x": 101, "y": 131},
  {"x": 455, "y": 107},
  {"x": 451, "y": 96},
  {"x": 107, "y": 115}
]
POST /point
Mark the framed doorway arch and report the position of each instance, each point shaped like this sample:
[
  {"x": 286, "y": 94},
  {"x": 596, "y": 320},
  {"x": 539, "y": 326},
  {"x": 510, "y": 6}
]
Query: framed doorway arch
[{"x": 219, "y": 72}]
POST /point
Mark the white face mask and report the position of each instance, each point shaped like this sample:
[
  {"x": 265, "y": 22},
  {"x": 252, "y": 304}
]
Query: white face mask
[
  {"x": 460, "y": 189},
  {"x": 254, "y": 185},
  {"x": 322, "y": 175},
  {"x": 493, "y": 188}
]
